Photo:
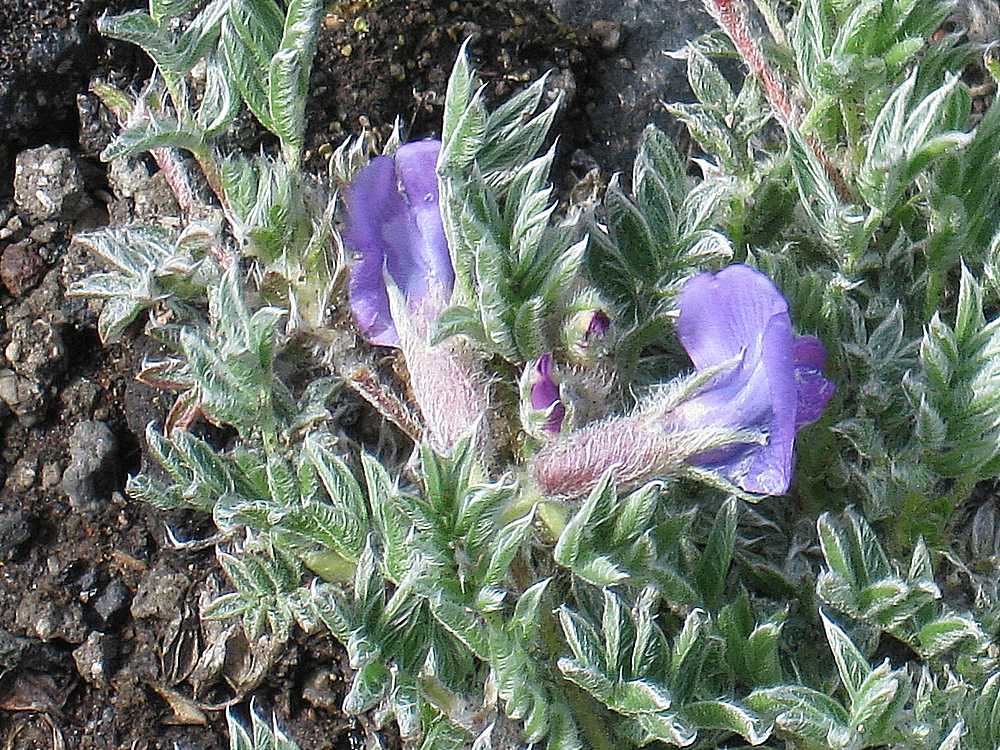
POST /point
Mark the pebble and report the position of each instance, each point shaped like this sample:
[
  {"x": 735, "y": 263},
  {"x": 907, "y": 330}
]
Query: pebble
[
  {"x": 607, "y": 33},
  {"x": 159, "y": 594},
  {"x": 92, "y": 470},
  {"x": 112, "y": 603},
  {"x": 16, "y": 528},
  {"x": 36, "y": 350},
  {"x": 23, "y": 397},
  {"x": 44, "y": 233},
  {"x": 51, "y": 475},
  {"x": 46, "y": 619},
  {"x": 48, "y": 184},
  {"x": 94, "y": 658},
  {"x": 21, "y": 267},
  {"x": 22, "y": 476}
]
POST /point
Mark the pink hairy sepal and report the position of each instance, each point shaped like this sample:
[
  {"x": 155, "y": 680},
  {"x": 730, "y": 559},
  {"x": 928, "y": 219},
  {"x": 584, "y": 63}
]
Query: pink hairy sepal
[
  {"x": 637, "y": 447},
  {"x": 448, "y": 381}
]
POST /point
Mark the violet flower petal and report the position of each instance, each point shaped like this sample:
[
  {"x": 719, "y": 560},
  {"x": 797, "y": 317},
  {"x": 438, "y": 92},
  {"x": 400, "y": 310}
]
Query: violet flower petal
[
  {"x": 814, "y": 390},
  {"x": 599, "y": 324},
  {"x": 371, "y": 200},
  {"x": 394, "y": 225},
  {"x": 809, "y": 351},
  {"x": 545, "y": 394},
  {"x": 777, "y": 387},
  {"x": 724, "y": 314}
]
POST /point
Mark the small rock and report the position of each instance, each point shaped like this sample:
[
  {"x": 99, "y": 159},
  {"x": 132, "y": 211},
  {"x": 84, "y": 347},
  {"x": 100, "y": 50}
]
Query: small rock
[
  {"x": 94, "y": 658},
  {"x": 563, "y": 82},
  {"x": 46, "y": 619},
  {"x": 92, "y": 470},
  {"x": 36, "y": 350},
  {"x": 97, "y": 125},
  {"x": 22, "y": 476},
  {"x": 128, "y": 176},
  {"x": 48, "y": 184},
  {"x": 16, "y": 528},
  {"x": 608, "y": 34},
  {"x": 112, "y": 604},
  {"x": 20, "y": 267},
  {"x": 44, "y": 233},
  {"x": 44, "y": 301},
  {"x": 12, "y": 228},
  {"x": 12, "y": 650},
  {"x": 79, "y": 398},
  {"x": 51, "y": 475},
  {"x": 318, "y": 689},
  {"x": 142, "y": 197},
  {"x": 23, "y": 397},
  {"x": 159, "y": 594},
  {"x": 85, "y": 580}
]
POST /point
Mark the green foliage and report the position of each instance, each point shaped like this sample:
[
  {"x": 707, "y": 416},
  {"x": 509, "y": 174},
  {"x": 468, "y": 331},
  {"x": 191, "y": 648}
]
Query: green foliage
[
  {"x": 723, "y": 124},
  {"x": 518, "y": 271},
  {"x": 148, "y": 266},
  {"x": 264, "y": 583},
  {"x": 476, "y": 613},
  {"x": 860, "y": 582},
  {"x": 257, "y": 53},
  {"x": 260, "y": 735},
  {"x": 958, "y": 390}
]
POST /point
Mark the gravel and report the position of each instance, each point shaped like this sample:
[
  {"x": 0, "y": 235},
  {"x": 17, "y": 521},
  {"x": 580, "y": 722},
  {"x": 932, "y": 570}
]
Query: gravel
[
  {"x": 16, "y": 528},
  {"x": 95, "y": 657},
  {"x": 21, "y": 267},
  {"x": 111, "y": 605}
]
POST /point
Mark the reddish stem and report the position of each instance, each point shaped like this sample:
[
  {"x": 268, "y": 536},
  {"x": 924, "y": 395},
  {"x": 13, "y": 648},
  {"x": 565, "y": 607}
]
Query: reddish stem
[{"x": 731, "y": 16}]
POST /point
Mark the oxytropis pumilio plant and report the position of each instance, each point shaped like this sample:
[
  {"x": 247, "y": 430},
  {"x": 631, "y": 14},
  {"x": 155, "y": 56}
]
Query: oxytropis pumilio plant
[{"x": 609, "y": 531}]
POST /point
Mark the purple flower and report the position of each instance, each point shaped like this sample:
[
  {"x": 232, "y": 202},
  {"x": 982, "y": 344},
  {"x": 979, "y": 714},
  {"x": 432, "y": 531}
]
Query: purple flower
[
  {"x": 544, "y": 395},
  {"x": 776, "y": 387},
  {"x": 769, "y": 383},
  {"x": 394, "y": 227}
]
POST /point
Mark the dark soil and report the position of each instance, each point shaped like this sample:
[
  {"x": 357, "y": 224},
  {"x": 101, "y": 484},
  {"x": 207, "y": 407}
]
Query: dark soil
[{"x": 100, "y": 641}]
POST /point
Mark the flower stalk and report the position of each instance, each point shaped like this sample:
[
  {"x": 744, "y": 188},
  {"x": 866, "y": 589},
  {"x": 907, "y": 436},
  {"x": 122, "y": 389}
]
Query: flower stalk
[{"x": 731, "y": 15}]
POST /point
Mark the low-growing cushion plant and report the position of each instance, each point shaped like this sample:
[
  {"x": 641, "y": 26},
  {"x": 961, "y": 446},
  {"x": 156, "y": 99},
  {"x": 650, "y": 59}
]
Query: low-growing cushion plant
[{"x": 706, "y": 463}]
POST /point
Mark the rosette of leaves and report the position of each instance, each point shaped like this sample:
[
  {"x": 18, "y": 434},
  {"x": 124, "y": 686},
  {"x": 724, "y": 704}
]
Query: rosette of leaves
[
  {"x": 517, "y": 270},
  {"x": 432, "y": 606},
  {"x": 211, "y": 59}
]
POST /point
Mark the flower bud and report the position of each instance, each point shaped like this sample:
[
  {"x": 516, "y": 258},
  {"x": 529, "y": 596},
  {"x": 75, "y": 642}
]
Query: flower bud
[
  {"x": 585, "y": 335},
  {"x": 543, "y": 412}
]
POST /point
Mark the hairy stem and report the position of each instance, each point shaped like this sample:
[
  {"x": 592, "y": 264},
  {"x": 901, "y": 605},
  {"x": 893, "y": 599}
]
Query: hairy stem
[{"x": 731, "y": 15}]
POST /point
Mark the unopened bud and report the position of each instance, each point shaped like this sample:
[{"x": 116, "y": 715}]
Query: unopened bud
[
  {"x": 543, "y": 411},
  {"x": 585, "y": 335}
]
